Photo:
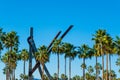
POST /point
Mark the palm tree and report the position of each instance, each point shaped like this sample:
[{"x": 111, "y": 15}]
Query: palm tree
[
  {"x": 1, "y": 48},
  {"x": 99, "y": 40},
  {"x": 24, "y": 56},
  {"x": 10, "y": 66},
  {"x": 83, "y": 53},
  {"x": 76, "y": 77},
  {"x": 5, "y": 60},
  {"x": 109, "y": 49},
  {"x": 55, "y": 76},
  {"x": 42, "y": 56},
  {"x": 118, "y": 62},
  {"x": 57, "y": 49},
  {"x": 13, "y": 63},
  {"x": 65, "y": 51},
  {"x": 64, "y": 77},
  {"x": 10, "y": 41},
  {"x": 107, "y": 42},
  {"x": 95, "y": 50},
  {"x": 98, "y": 66},
  {"x": 113, "y": 75},
  {"x": 1, "y": 43},
  {"x": 70, "y": 52},
  {"x": 117, "y": 42},
  {"x": 90, "y": 69}
]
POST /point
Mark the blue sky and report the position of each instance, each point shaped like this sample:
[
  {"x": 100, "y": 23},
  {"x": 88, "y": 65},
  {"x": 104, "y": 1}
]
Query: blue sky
[{"x": 47, "y": 17}]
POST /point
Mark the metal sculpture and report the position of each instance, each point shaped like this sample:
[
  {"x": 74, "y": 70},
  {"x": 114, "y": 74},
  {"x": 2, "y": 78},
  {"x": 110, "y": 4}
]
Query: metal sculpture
[{"x": 33, "y": 49}]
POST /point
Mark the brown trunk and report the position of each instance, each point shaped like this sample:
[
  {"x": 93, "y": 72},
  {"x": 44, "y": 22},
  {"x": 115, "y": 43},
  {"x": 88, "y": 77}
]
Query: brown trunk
[
  {"x": 84, "y": 69},
  {"x": 58, "y": 66},
  {"x": 96, "y": 69},
  {"x": 110, "y": 66},
  {"x": 42, "y": 71},
  {"x": 70, "y": 68},
  {"x": 102, "y": 67},
  {"x": 24, "y": 68},
  {"x": 102, "y": 62},
  {"x": 7, "y": 74},
  {"x": 65, "y": 66},
  {"x": 107, "y": 67}
]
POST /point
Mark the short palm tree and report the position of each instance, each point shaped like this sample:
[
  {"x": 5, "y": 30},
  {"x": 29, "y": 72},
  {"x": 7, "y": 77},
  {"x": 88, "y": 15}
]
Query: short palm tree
[
  {"x": 98, "y": 67},
  {"x": 118, "y": 62},
  {"x": 95, "y": 50},
  {"x": 83, "y": 53},
  {"x": 24, "y": 56},
  {"x": 64, "y": 77},
  {"x": 90, "y": 69},
  {"x": 70, "y": 52},
  {"x": 76, "y": 77},
  {"x": 1, "y": 43},
  {"x": 13, "y": 63},
  {"x": 113, "y": 75},
  {"x": 5, "y": 60},
  {"x": 42, "y": 56},
  {"x": 57, "y": 49}
]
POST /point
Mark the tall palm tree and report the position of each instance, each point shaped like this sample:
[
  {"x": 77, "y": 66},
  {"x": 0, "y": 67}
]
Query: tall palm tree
[
  {"x": 10, "y": 41},
  {"x": 57, "y": 49},
  {"x": 109, "y": 49},
  {"x": 98, "y": 37},
  {"x": 70, "y": 52},
  {"x": 83, "y": 53},
  {"x": 107, "y": 40},
  {"x": 42, "y": 56},
  {"x": 117, "y": 42},
  {"x": 24, "y": 56}
]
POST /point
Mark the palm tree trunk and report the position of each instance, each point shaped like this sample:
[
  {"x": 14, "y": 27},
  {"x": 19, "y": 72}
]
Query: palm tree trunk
[
  {"x": 110, "y": 65},
  {"x": 84, "y": 69},
  {"x": 107, "y": 67},
  {"x": 14, "y": 74},
  {"x": 102, "y": 60},
  {"x": 11, "y": 73},
  {"x": 58, "y": 66},
  {"x": 70, "y": 68},
  {"x": 7, "y": 74},
  {"x": 96, "y": 69},
  {"x": 102, "y": 67},
  {"x": 24, "y": 68},
  {"x": 42, "y": 71},
  {"x": 8, "y": 69},
  {"x": 65, "y": 65}
]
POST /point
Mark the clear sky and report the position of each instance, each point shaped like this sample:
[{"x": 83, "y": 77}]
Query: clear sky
[{"x": 47, "y": 17}]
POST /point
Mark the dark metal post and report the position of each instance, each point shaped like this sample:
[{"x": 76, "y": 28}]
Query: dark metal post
[{"x": 30, "y": 54}]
